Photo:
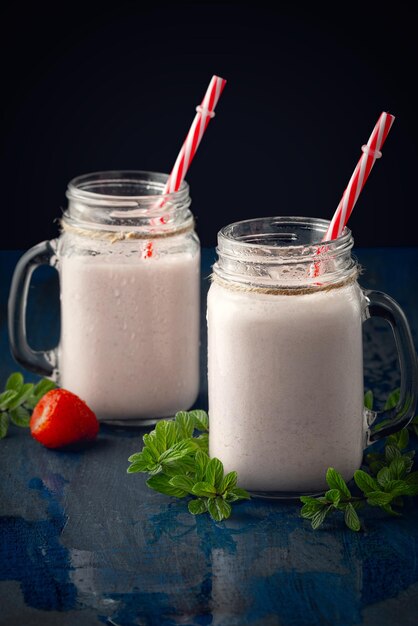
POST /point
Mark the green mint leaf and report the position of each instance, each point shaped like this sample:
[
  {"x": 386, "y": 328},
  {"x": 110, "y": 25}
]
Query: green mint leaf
[
  {"x": 409, "y": 463},
  {"x": 399, "y": 439},
  {"x": 165, "y": 435},
  {"x": 182, "y": 482},
  {"x": 15, "y": 382},
  {"x": 223, "y": 507},
  {"x": 24, "y": 392},
  {"x": 383, "y": 423},
  {"x": 375, "y": 456},
  {"x": 393, "y": 399},
  {"x": 38, "y": 392},
  {"x": 368, "y": 400},
  {"x": 149, "y": 440},
  {"x": 351, "y": 518},
  {"x": 219, "y": 509},
  {"x": 214, "y": 472},
  {"x": 237, "y": 494},
  {"x": 403, "y": 438},
  {"x": 307, "y": 512},
  {"x": 180, "y": 467},
  {"x": 17, "y": 401},
  {"x": 148, "y": 455},
  {"x": 310, "y": 500},
  {"x": 141, "y": 464},
  {"x": 319, "y": 517},
  {"x": 310, "y": 508},
  {"x": 161, "y": 483},
  {"x": 399, "y": 467},
  {"x": 228, "y": 482},
  {"x": 204, "y": 490},
  {"x": 392, "y": 439},
  {"x": 4, "y": 425},
  {"x": 202, "y": 442},
  {"x": 404, "y": 488},
  {"x": 198, "y": 506},
  {"x": 384, "y": 476},
  {"x": 341, "y": 506},
  {"x": 6, "y": 399},
  {"x": 388, "y": 509},
  {"x": 178, "y": 451},
  {"x": 201, "y": 461},
  {"x": 336, "y": 481},
  {"x": 156, "y": 469},
  {"x": 334, "y": 496},
  {"x": 43, "y": 387},
  {"x": 401, "y": 488},
  {"x": 144, "y": 462},
  {"x": 365, "y": 482},
  {"x": 135, "y": 457},
  {"x": 412, "y": 478},
  {"x": 379, "y": 498},
  {"x": 157, "y": 437},
  {"x": 201, "y": 419},
  {"x": 185, "y": 424},
  {"x": 20, "y": 417},
  {"x": 375, "y": 467},
  {"x": 356, "y": 504},
  {"x": 392, "y": 452}
]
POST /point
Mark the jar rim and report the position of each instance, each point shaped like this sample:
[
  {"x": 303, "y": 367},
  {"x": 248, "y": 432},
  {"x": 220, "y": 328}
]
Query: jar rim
[
  {"x": 79, "y": 187},
  {"x": 229, "y": 234},
  {"x": 287, "y": 251}
]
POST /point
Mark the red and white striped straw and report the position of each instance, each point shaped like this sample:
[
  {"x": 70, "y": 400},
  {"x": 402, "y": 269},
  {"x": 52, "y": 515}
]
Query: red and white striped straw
[
  {"x": 371, "y": 152},
  {"x": 204, "y": 113}
]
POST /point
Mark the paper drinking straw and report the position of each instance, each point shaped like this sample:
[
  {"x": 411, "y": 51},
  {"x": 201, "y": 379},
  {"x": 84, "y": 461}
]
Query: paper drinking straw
[
  {"x": 371, "y": 152},
  {"x": 204, "y": 113}
]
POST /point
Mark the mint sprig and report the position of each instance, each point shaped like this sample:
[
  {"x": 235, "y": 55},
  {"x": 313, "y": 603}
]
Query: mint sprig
[
  {"x": 175, "y": 455},
  {"x": 386, "y": 480},
  {"x": 18, "y": 400}
]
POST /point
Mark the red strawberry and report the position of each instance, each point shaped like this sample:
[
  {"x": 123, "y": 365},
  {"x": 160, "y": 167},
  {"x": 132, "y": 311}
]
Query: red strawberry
[{"x": 61, "y": 418}]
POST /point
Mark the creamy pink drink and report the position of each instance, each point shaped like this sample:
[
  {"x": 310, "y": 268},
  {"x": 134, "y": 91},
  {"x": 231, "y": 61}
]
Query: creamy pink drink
[
  {"x": 285, "y": 357},
  {"x": 130, "y": 333},
  {"x": 286, "y": 386}
]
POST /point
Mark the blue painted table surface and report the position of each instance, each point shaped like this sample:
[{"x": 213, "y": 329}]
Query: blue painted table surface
[{"x": 82, "y": 542}]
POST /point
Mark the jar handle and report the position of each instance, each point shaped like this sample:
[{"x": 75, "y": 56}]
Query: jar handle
[
  {"x": 381, "y": 305},
  {"x": 40, "y": 362}
]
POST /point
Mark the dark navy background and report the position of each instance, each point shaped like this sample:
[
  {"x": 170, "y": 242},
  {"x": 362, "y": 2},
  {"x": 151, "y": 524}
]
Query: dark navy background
[{"x": 99, "y": 86}]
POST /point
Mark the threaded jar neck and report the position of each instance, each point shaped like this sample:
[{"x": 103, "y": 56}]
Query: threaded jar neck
[
  {"x": 127, "y": 200},
  {"x": 283, "y": 253}
]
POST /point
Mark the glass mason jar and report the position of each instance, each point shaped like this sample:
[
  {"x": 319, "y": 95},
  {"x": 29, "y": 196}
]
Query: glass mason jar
[
  {"x": 285, "y": 356},
  {"x": 129, "y": 265}
]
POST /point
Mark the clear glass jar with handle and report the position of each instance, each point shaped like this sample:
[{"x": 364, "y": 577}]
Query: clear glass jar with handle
[
  {"x": 285, "y": 356},
  {"x": 129, "y": 265}
]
